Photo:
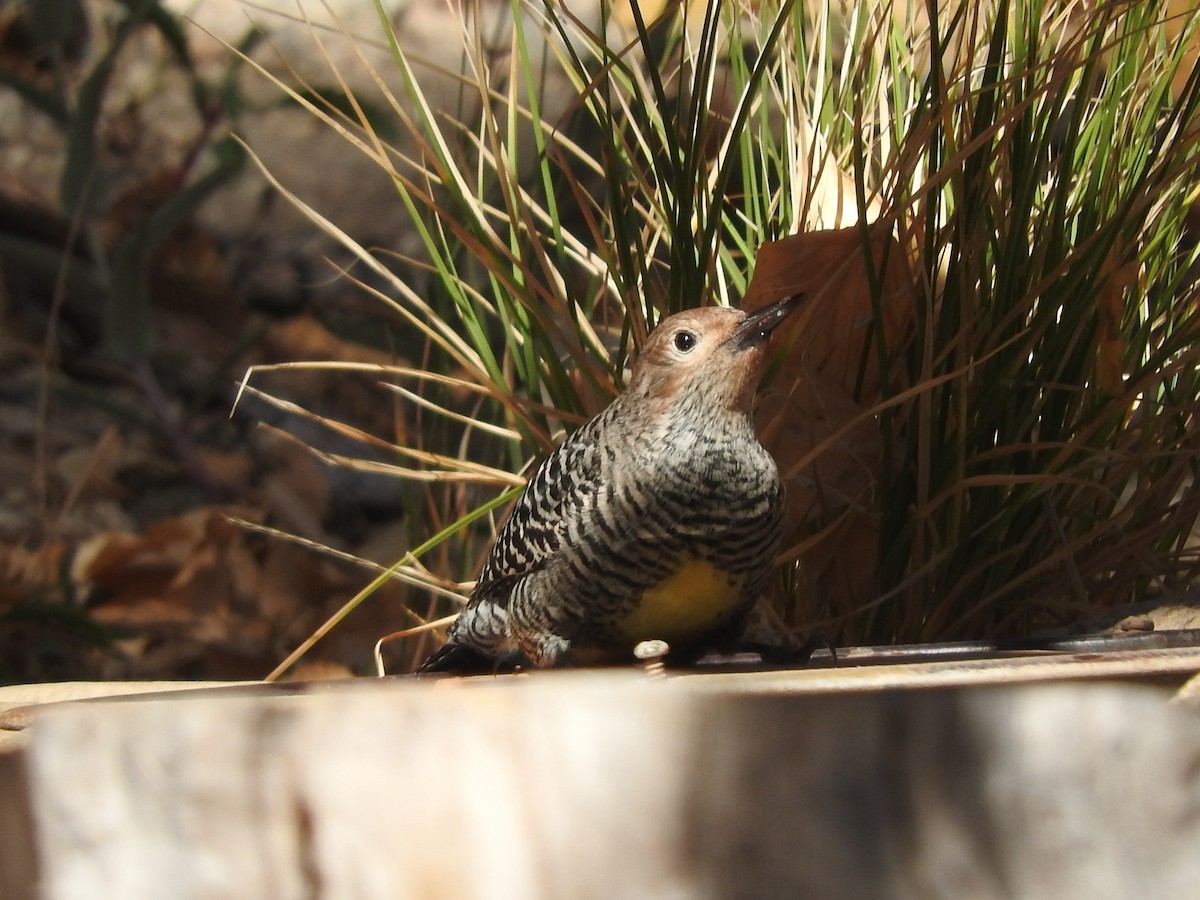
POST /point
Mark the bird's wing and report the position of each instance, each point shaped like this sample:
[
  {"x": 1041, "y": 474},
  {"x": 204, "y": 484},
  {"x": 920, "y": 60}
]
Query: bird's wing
[{"x": 559, "y": 492}]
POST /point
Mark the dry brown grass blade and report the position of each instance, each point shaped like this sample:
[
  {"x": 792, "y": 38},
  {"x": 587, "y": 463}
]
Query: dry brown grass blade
[{"x": 446, "y": 468}]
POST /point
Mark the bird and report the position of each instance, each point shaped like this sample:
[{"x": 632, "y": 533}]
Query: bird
[{"x": 659, "y": 519}]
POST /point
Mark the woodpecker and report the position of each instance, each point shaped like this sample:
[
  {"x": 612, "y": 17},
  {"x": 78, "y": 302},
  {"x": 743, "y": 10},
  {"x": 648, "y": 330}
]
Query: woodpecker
[{"x": 658, "y": 519}]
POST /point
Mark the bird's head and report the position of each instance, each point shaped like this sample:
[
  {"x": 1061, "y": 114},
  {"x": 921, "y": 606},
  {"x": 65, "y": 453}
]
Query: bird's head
[{"x": 715, "y": 353}]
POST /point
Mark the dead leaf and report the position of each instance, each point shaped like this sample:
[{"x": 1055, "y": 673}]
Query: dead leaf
[
  {"x": 304, "y": 338},
  {"x": 815, "y": 416},
  {"x": 26, "y": 573},
  {"x": 831, "y": 336},
  {"x": 297, "y": 491},
  {"x": 318, "y": 670},
  {"x": 1115, "y": 280},
  {"x": 231, "y": 469},
  {"x": 90, "y": 471}
]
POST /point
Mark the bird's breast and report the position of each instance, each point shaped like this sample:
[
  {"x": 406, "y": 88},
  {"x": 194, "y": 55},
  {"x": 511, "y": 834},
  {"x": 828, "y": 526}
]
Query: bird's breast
[{"x": 693, "y": 600}]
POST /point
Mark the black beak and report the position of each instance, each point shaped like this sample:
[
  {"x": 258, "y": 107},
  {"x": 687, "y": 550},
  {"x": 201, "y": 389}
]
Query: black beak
[{"x": 758, "y": 325}]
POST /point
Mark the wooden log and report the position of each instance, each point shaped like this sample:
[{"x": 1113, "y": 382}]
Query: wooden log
[
  {"x": 18, "y": 872},
  {"x": 579, "y": 785}
]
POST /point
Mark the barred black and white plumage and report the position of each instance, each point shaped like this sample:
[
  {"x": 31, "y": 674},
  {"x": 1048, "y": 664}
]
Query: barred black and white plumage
[{"x": 658, "y": 519}]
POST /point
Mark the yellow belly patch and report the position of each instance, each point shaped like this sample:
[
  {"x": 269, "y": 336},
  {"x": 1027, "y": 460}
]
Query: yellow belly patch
[{"x": 693, "y": 600}]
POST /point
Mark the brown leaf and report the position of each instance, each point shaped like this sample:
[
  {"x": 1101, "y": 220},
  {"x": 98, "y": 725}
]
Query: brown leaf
[
  {"x": 1115, "y": 280},
  {"x": 26, "y": 573},
  {"x": 831, "y": 336},
  {"x": 318, "y": 670},
  {"x": 90, "y": 471},
  {"x": 179, "y": 560},
  {"x": 815, "y": 415},
  {"x": 233, "y": 469},
  {"x": 303, "y": 337},
  {"x": 298, "y": 493}
]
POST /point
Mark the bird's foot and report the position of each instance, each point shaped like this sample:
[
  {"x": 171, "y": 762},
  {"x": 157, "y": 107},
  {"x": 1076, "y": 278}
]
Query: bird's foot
[{"x": 790, "y": 655}]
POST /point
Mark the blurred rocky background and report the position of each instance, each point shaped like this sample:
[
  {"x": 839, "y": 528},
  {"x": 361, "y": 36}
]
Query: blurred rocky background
[{"x": 145, "y": 263}]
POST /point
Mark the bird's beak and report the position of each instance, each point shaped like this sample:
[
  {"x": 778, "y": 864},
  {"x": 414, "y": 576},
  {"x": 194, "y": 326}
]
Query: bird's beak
[{"x": 758, "y": 325}]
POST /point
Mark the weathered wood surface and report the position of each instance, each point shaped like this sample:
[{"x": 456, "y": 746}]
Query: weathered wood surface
[
  {"x": 580, "y": 785},
  {"x": 19, "y": 703}
]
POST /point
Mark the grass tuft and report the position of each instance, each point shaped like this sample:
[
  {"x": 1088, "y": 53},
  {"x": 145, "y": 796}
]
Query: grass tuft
[{"x": 1008, "y": 439}]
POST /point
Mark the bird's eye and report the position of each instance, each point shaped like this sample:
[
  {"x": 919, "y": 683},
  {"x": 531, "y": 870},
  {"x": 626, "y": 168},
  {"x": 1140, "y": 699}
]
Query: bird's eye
[{"x": 684, "y": 341}]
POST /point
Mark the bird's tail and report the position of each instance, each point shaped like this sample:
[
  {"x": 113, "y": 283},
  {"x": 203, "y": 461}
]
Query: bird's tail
[{"x": 457, "y": 659}]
